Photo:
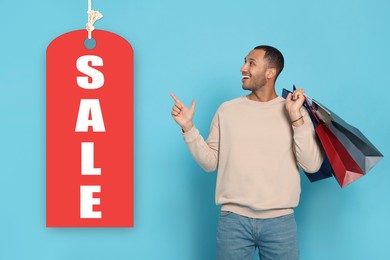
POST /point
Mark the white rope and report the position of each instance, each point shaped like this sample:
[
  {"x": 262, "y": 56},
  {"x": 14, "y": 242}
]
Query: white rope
[{"x": 93, "y": 16}]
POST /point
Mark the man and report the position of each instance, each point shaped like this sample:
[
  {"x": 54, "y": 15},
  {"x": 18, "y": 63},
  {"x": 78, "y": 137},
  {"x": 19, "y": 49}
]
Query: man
[{"x": 256, "y": 142}]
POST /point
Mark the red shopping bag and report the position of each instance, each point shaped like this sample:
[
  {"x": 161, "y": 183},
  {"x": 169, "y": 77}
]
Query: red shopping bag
[{"x": 345, "y": 169}]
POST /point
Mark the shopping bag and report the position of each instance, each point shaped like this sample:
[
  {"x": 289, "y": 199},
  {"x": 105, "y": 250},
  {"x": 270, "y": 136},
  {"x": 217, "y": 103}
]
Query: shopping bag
[
  {"x": 345, "y": 169},
  {"x": 364, "y": 153},
  {"x": 325, "y": 170}
]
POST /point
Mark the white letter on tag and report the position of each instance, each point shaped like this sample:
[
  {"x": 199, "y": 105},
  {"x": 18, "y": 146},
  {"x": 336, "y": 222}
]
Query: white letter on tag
[
  {"x": 87, "y": 201},
  {"x": 97, "y": 123},
  {"x": 97, "y": 76},
  {"x": 87, "y": 160}
]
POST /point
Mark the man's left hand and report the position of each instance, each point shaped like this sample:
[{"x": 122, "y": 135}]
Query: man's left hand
[{"x": 294, "y": 103}]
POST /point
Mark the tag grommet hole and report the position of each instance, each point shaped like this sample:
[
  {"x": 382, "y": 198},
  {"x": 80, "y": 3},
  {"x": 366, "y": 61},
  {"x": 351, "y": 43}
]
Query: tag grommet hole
[{"x": 90, "y": 43}]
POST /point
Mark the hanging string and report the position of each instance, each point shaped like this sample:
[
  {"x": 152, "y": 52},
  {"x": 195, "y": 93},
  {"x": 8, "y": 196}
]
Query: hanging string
[{"x": 93, "y": 16}]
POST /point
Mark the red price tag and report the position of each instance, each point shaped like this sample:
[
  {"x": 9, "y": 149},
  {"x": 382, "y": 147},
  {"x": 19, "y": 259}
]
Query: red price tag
[{"x": 89, "y": 131}]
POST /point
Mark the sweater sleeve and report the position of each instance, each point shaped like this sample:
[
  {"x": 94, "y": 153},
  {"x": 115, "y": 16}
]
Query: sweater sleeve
[
  {"x": 308, "y": 151},
  {"x": 204, "y": 152}
]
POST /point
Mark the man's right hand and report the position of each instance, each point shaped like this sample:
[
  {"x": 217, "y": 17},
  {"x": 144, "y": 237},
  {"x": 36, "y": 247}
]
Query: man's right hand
[{"x": 182, "y": 114}]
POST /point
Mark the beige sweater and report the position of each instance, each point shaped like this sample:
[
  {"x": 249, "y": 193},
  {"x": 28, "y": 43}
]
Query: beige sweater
[{"x": 256, "y": 151}]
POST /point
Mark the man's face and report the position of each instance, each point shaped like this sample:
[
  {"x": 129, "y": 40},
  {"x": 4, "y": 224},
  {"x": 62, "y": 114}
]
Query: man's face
[{"x": 253, "y": 71}]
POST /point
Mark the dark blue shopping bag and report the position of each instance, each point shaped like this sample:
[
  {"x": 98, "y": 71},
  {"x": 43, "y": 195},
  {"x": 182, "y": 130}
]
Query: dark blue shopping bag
[{"x": 326, "y": 170}]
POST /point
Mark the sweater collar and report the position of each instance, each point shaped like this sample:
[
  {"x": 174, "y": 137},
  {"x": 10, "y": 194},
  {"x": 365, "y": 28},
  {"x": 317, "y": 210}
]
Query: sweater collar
[{"x": 271, "y": 102}]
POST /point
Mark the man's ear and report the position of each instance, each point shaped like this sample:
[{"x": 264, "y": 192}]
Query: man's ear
[{"x": 271, "y": 73}]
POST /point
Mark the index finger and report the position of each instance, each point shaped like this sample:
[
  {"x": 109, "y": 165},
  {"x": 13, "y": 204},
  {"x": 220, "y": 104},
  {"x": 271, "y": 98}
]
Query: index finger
[{"x": 174, "y": 97}]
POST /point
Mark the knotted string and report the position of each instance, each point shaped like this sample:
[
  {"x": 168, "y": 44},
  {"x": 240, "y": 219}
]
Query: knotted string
[{"x": 93, "y": 16}]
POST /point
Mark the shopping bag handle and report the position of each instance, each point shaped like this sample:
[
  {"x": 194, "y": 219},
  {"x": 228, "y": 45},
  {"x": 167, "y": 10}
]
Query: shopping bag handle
[{"x": 312, "y": 109}]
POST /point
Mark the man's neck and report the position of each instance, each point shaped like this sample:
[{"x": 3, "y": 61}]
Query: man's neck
[{"x": 262, "y": 95}]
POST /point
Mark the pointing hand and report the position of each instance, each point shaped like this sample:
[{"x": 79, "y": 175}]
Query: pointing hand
[{"x": 182, "y": 114}]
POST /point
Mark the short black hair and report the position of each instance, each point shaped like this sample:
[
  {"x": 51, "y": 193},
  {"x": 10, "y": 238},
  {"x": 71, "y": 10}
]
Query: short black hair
[{"x": 273, "y": 57}]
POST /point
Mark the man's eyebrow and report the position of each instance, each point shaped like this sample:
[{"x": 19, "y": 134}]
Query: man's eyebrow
[{"x": 250, "y": 58}]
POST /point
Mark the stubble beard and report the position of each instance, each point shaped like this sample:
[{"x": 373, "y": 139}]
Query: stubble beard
[{"x": 257, "y": 85}]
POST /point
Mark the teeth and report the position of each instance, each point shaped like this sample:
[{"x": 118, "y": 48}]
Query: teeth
[{"x": 245, "y": 77}]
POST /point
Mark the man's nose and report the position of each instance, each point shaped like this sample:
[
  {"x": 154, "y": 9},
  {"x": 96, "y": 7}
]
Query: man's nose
[{"x": 244, "y": 68}]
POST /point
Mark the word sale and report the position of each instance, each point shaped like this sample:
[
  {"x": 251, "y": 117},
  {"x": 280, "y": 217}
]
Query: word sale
[{"x": 89, "y": 115}]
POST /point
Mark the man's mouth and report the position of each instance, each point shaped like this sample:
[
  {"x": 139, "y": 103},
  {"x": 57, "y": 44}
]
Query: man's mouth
[{"x": 245, "y": 77}]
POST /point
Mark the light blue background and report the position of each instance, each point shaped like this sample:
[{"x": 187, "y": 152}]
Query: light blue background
[{"x": 337, "y": 50}]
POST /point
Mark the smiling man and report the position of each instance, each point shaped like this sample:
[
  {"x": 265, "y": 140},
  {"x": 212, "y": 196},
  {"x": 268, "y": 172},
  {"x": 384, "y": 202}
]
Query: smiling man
[{"x": 257, "y": 143}]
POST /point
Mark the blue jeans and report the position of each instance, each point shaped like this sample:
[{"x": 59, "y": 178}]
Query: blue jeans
[{"x": 239, "y": 236}]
